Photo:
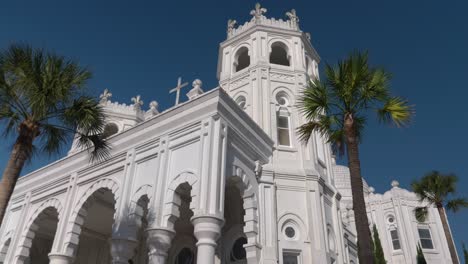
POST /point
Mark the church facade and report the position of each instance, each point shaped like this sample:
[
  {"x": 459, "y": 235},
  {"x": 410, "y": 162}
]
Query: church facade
[{"x": 220, "y": 178}]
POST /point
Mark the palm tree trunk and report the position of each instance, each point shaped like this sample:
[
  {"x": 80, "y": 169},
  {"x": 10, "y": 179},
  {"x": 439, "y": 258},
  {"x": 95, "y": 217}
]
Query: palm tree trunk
[
  {"x": 365, "y": 248},
  {"x": 448, "y": 235},
  {"x": 20, "y": 153}
]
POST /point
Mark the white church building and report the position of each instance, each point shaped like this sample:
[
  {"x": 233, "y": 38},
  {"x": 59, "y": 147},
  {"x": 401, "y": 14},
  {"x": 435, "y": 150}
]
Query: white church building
[{"x": 220, "y": 178}]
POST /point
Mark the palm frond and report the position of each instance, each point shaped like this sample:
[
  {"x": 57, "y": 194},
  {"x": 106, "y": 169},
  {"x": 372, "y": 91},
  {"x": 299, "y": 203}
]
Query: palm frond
[
  {"x": 337, "y": 140},
  {"x": 457, "y": 204},
  {"x": 397, "y": 111},
  {"x": 53, "y": 138},
  {"x": 421, "y": 213},
  {"x": 96, "y": 145},
  {"x": 314, "y": 100}
]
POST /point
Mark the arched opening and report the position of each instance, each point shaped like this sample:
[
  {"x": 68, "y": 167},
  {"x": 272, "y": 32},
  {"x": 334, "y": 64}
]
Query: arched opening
[
  {"x": 279, "y": 54},
  {"x": 110, "y": 129},
  {"x": 45, "y": 227},
  {"x": 96, "y": 230},
  {"x": 4, "y": 250},
  {"x": 233, "y": 237},
  {"x": 242, "y": 59},
  {"x": 143, "y": 217},
  {"x": 183, "y": 248}
]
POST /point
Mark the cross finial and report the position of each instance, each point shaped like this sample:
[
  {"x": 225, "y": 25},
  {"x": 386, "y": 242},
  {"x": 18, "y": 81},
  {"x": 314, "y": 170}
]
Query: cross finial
[
  {"x": 258, "y": 11},
  {"x": 179, "y": 86},
  {"x": 293, "y": 17},
  {"x": 137, "y": 102},
  {"x": 105, "y": 96}
]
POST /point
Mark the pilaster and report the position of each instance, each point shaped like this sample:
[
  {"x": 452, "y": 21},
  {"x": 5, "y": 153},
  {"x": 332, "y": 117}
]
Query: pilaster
[{"x": 268, "y": 215}]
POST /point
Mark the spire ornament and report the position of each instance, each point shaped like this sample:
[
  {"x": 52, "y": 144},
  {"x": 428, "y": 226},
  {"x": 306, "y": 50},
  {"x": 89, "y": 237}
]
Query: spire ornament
[
  {"x": 154, "y": 107},
  {"x": 105, "y": 96},
  {"x": 293, "y": 18},
  {"x": 137, "y": 102},
  {"x": 258, "y": 12},
  {"x": 230, "y": 26}
]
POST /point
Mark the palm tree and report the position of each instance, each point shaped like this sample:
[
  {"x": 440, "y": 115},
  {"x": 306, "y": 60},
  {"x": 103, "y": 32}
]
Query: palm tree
[
  {"x": 42, "y": 103},
  {"x": 434, "y": 189},
  {"x": 337, "y": 108}
]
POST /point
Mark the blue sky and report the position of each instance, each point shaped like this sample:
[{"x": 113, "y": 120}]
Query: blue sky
[{"x": 141, "y": 47}]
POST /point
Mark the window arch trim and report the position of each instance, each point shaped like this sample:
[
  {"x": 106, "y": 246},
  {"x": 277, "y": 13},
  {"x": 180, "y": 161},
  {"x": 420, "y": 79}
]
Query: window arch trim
[{"x": 236, "y": 54}]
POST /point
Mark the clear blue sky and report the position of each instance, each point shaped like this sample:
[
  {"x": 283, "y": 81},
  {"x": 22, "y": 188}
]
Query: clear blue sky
[{"x": 141, "y": 47}]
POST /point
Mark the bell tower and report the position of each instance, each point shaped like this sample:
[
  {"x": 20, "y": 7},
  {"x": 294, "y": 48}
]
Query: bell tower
[{"x": 264, "y": 64}]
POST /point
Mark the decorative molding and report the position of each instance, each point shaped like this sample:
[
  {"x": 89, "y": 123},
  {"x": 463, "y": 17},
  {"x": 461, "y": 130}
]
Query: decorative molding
[{"x": 282, "y": 77}]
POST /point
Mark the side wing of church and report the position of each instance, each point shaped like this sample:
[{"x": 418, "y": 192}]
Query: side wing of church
[{"x": 221, "y": 178}]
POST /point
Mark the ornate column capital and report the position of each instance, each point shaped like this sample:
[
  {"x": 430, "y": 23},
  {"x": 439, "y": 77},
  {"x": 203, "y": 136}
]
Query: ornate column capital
[
  {"x": 60, "y": 258},
  {"x": 207, "y": 230},
  {"x": 159, "y": 242}
]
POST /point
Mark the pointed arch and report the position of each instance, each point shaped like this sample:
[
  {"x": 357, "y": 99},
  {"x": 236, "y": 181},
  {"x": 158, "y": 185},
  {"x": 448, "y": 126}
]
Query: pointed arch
[
  {"x": 73, "y": 230},
  {"x": 248, "y": 191},
  {"x": 172, "y": 201},
  {"x": 29, "y": 232}
]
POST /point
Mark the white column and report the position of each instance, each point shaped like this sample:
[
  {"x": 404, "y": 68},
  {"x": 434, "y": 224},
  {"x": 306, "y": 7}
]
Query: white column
[
  {"x": 207, "y": 229},
  {"x": 159, "y": 242},
  {"x": 122, "y": 250},
  {"x": 57, "y": 258}
]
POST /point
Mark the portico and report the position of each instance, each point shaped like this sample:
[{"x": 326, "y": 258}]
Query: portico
[{"x": 160, "y": 198}]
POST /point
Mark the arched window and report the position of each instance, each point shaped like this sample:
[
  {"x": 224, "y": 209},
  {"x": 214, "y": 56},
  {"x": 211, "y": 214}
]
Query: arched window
[
  {"x": 185, "y": 256},
  {"x": 110, "y": 129},
  {"x": 279, "y": 54},
  {"x": 242, "y": 59},
  {"x": 238, "y": 251},
  {"x": 241, "y": 101},
  {"x": 283, "y": 120}
]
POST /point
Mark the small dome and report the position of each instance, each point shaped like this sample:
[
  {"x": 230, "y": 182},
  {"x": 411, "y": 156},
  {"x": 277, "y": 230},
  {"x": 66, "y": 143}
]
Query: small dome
[{"x": 343, "y": 181}]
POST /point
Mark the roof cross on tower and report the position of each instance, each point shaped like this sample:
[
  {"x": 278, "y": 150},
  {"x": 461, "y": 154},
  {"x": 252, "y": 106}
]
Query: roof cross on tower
[{"x": 179, "y": 86}]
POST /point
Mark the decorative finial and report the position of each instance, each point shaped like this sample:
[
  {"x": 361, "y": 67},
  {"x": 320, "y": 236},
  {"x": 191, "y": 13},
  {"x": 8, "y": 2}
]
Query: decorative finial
[
  {"x": 293, "y": 17},
  {"x": 197, "y": 83},
  {"x": 230, "y": 26},
  {"x": 258, "y": 12},
  {"x": 196, "y": 90},
  {"x": 308, "y": 36},
  {"x": 105, "y": 96},
  {"x": 371, "y": 189},
  {"x": 137, "y": 102},
  {"x": 154, "y": 107},
  {"x": 395, "y": 184}
]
